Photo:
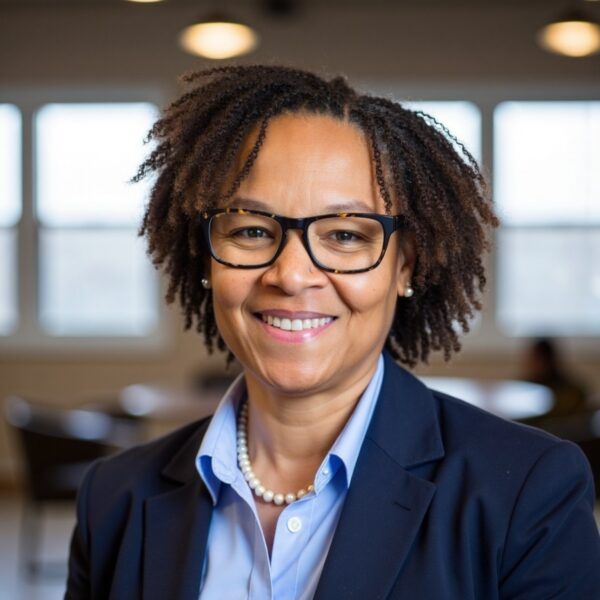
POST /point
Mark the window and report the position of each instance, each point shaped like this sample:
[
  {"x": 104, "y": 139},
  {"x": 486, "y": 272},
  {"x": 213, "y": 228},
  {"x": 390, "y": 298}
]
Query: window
[
  {"x": 547, "y": 190},
  {"x": 83, "y": 269},
  {"x": 10, "y": 213},
  {"x": 463, "y": 121},
  {"x": 94, "y": 276},
  {"x": 461, "y": 118}
]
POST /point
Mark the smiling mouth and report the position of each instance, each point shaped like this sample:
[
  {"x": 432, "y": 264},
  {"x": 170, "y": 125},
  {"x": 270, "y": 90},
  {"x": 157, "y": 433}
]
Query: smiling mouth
[{"x": 287, "y": 324}]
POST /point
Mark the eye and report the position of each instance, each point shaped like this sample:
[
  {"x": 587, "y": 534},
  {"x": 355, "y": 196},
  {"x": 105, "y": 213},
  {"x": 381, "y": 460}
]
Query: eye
[
  {"x": 250, "y": 232},
  {"x": 345, "y": 236}
]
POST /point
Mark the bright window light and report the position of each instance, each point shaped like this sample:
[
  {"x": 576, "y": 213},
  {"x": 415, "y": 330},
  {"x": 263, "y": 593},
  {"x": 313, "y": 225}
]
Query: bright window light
[
  {"x": 86, "y": 154},
  {"x": 547, "y": 190},
  {"x": 10, "y": 213},
  {"x": 461, "y": 118},
  {"x": 94, "y": 277},
  {"x": 547, "y": 162}
]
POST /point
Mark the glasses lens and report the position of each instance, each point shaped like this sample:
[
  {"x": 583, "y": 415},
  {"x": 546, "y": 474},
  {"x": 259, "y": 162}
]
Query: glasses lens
[
  {"x": 346, "y": 243},
  {"x": 244, "y": 239}
]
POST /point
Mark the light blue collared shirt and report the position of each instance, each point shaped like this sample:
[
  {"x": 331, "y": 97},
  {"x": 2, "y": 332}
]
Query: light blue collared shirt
[{"x": 237, "y": 564}]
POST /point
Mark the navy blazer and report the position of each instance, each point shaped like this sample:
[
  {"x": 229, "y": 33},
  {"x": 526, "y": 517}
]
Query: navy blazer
[{"x": 446, "y": 502}]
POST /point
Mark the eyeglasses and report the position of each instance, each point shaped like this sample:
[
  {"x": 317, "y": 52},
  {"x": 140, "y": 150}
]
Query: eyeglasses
[{"x": 338, "y": 243}]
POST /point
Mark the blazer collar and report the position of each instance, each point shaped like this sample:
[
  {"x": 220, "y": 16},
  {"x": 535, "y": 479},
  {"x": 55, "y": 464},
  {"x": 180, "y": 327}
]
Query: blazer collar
[
  {"x": 182, "y": 466},
  {"x": 405, "y": 423},
  {"x": 387, "y": 499}
]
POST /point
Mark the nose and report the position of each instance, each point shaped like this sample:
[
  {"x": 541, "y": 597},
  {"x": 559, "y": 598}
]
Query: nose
[{"x": 294, "y": 271}]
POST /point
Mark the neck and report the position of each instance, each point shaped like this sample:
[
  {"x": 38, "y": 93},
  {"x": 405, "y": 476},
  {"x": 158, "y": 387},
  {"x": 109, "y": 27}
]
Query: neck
[{"x": 289, "y": 436}]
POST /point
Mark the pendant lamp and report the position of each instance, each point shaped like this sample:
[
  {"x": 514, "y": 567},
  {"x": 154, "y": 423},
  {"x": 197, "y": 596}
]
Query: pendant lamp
[
  {"x": 574, "y": 33},
  {"x": 218, "y": 36}
]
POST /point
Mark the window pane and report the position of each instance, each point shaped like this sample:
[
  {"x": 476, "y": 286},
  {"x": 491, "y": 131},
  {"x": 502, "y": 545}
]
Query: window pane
[
  {"x": 547, "y": 162},
  {"x": 549, "y": 281},
  {"x": 10, "y": 165},
  {"x": 8, "y": 281},
  {"x": 461, "y": 118},
  {"x": 96, "y": 282},
  {"x": 86, "y": 153}
]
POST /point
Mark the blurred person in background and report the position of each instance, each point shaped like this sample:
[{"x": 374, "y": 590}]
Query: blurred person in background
[
  {"x": 322, "y": 236},
  {"x": 544, "y": 365}
]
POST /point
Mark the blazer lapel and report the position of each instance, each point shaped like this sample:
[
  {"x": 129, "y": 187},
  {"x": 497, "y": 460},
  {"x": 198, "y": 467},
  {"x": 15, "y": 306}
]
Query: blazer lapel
[
  {"x": 387, "y": 500},
  {"x": 176, "y": 525}
]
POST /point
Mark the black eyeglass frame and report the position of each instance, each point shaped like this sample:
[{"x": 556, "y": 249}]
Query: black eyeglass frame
[{"x": 389, "y": 223}]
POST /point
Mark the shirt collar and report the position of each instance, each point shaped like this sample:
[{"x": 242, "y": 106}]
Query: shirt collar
[
  {"x": 216, "y": 460},
  {"x": 347, "y": 445}
]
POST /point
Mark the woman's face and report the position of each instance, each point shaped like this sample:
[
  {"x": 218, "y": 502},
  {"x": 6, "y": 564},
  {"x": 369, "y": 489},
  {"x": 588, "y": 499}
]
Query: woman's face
[{"x": 309, "y": 165}]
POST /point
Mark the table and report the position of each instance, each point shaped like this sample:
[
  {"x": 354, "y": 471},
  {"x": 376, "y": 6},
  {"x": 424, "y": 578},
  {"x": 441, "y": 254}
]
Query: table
[
  {"x": 162, "y": 408},
  {"x": 510, "y": 399}
]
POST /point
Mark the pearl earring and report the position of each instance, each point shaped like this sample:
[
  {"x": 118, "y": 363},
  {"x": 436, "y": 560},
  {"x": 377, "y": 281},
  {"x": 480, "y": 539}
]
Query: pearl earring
[
  {"x": 408, "y": 292},
  {"x": 205, "y": 283}
]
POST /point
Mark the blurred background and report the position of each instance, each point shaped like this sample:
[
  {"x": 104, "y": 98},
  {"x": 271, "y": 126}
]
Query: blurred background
[{"x": 90, "y": 358}]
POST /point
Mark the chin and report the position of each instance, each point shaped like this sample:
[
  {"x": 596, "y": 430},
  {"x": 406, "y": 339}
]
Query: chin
[{"x": 289, "y": 377}]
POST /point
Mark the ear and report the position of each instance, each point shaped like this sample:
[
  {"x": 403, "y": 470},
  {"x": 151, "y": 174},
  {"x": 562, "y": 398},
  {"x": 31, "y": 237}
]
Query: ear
[{"x": 406, "y": 263}]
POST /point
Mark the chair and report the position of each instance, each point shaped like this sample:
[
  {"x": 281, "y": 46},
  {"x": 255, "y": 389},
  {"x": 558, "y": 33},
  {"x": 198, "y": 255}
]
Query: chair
[{"x": 57, "y": 446}]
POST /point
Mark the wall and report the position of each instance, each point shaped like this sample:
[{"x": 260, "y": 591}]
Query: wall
[{"x": 455, "y": 44}]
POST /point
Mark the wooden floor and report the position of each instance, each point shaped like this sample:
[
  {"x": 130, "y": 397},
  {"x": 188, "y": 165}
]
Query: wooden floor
[{"x": 54, "y": 550}]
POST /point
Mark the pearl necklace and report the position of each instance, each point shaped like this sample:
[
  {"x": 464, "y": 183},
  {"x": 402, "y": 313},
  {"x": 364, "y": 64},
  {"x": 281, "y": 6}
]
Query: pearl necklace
[{"x": 246, "y": 467}]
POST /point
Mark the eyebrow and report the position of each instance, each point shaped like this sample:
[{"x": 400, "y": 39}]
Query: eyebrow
[{"x": 252, "y": 204}]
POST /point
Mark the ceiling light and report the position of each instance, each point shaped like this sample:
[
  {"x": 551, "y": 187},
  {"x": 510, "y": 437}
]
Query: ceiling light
[
  {"x": 574, "y": 33},
  {"x": 218, "y": 37}
]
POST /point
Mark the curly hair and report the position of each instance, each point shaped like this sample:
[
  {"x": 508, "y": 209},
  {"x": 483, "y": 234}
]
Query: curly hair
[{"x": 422, "y": 171}]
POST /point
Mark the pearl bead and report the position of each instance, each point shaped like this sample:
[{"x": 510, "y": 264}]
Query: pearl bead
[{"x": 245, "y": 465}]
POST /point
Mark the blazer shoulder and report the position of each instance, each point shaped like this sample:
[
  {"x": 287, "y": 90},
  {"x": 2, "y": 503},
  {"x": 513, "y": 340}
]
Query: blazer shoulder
[
  {"x": 140, "y": 467},
  {"x": 491, "y": 444},
  {"x": 469, "y": 425}
]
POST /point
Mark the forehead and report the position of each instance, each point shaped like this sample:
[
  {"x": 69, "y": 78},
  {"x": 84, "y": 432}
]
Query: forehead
[{"x": 308, "y": 162}]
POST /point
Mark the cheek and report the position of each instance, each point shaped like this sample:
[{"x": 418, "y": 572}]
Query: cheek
[
  {"x": 370, "y": 296},
  {"x": 231, "y": 289}
]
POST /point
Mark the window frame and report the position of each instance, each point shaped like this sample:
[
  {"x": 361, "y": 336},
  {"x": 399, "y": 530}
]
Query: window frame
[{"x": 30, "y": 338}]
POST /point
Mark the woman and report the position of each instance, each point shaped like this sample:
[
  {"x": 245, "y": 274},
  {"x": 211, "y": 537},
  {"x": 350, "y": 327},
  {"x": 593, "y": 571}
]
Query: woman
[{"x": 305, "y": 227}]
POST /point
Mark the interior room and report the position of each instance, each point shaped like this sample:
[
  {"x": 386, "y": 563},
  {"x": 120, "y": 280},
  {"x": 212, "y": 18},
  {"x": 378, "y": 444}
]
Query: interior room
[{"x": 87, "y": 341}]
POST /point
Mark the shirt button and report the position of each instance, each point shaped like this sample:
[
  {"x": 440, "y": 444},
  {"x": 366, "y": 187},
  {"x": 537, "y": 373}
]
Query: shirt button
[
  {"x": 325, "y": 471},
  {"x": 294, "y": 524}
]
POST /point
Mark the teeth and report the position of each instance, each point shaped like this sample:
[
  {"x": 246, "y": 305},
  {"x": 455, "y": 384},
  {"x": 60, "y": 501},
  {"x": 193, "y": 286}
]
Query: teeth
[{"x": 295, "y": 324}]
